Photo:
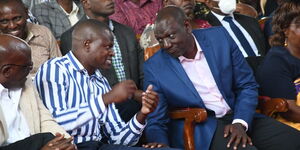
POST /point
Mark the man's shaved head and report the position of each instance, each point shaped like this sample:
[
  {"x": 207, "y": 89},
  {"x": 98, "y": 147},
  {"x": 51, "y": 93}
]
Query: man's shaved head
[
  {"x": 92, "y": 43},
  {"x": 171, "y": 13},
  {"x": 10, "y": 45},
  {"x": 15, "y": 61},
  {"x": 87, "y": 30}
]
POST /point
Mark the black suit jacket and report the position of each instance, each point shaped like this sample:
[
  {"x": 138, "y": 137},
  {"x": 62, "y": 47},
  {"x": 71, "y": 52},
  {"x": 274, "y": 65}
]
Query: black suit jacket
[
  {"x": 132, "y": 54},
  {"x": 249, "y": 24}
]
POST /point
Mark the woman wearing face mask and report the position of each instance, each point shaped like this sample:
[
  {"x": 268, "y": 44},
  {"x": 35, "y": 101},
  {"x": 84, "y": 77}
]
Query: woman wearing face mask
[{"x": 279, "y": 74}]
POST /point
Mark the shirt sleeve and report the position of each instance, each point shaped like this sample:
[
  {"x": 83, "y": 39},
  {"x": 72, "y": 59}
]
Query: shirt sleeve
[
  {"x": 244, "y": 123},
  {"x": 54, "y": 50},
  {"x": 120, "y": 132},
  {"x": 52, "y": 82}
]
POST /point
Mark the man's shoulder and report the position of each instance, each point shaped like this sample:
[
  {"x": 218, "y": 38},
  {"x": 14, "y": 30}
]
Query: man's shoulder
[
  {"x": 59, "y": 62},
  {"x": 212, "y": 32},
  {"x": 68, "y": 33},
  {"x": 38, "y": 29},
  {"x": 45, "y": 6},
  {"x": 122, "y": 27},
  {"x": 244, "y": 18},
  {"x": 157, "y": 58}
]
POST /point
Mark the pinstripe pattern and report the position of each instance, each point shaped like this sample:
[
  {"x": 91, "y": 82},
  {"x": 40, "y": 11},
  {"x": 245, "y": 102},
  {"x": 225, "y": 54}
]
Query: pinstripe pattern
[{"x": 75, "y": 100}]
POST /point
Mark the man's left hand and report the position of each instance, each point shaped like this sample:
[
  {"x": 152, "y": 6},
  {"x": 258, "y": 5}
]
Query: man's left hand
[
  {"x": 149, "y": 103},
  {"x": 238, "y": 135},
  {"x": 149, "y": 100}
]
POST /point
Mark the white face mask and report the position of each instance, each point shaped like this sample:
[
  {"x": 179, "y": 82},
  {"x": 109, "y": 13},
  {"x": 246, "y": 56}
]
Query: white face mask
[{"x": 227, "y": 6}]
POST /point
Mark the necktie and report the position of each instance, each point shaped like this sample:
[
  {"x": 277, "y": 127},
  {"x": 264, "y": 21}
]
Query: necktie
[{"x": 239, "y": 34}]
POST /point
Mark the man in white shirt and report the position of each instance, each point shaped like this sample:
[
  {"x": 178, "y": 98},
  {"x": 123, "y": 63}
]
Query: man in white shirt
[
  {"x": 58, "y": 15},
  {"x": 22, "y": 113}
]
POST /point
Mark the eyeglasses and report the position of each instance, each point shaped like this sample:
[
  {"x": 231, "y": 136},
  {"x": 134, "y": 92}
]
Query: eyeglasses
[{"x": 25, "y": 67}]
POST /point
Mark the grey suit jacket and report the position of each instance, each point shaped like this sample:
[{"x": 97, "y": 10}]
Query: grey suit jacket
[
  {"x": 249, "y": 24},
  {"x": 51, "y": 15},
  {"x": 37, "y": 116},
  {"x": 132, "y": 54}
]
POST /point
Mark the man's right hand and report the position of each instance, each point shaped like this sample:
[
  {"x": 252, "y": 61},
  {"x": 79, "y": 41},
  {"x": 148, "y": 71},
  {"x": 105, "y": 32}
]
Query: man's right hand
[
  {"x": 60, "y": 143},
  {"x": 120, "y": 92}
]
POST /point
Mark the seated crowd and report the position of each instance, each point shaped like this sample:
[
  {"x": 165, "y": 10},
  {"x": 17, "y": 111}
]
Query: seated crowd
[{"x": 107, "y": 75}]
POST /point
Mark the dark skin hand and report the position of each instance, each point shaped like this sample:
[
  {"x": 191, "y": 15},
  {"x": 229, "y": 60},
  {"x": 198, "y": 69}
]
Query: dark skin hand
[
  {"x": 126, "y": 90},
  {"x": 60, "y": 143},
  {"x": 138, "y": 95},
  {"x": 149, "y": 103},
  {"x": 237, "y": 134},
  {"x": 120, "y": 92},
  {"x": 154, "y": 145}
]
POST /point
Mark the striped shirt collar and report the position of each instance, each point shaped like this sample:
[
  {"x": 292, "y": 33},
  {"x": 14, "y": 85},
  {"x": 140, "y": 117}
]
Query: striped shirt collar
[{"x": 75, "y": 63}]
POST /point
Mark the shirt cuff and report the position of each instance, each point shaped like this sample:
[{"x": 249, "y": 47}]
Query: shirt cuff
[
  {"x": 244, "y": 123},
  {"x": 135, "y": 126},
  {"x": 97, "y": 106}
]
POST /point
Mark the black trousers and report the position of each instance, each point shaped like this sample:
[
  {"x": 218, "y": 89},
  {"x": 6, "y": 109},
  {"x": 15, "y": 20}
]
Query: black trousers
[
  {"x": 93, "y": 145},
  {"x": 266, "y": 134},
  {"x": 34, "y": 142}
]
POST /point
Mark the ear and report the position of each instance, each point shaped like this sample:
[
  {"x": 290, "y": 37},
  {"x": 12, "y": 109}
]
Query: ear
[
  {"x": 6, "y": 71},
  {"x": 87, "y": 44},
  {"x": 187, "y": 26}
]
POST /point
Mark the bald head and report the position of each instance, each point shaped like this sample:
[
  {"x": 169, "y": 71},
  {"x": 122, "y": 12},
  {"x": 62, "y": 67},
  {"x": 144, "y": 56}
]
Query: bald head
[
  {"x": 88, "y": 30},
  {"x": 15, "y": 61},
  {"x": 11, "y": 45},
  {"x": 171, "y": 13}
]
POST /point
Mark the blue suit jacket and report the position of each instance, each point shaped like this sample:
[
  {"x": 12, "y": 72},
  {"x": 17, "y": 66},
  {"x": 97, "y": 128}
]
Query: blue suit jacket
[{"x": 233, "y": 77}]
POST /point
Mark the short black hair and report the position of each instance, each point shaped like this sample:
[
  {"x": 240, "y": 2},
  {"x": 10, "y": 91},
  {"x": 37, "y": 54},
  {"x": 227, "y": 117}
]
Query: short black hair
[{"x": 171, "y": 11}]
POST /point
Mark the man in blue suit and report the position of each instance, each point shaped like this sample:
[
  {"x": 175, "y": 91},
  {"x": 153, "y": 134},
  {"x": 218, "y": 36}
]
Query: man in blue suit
[{"x": 205, "y": 69}]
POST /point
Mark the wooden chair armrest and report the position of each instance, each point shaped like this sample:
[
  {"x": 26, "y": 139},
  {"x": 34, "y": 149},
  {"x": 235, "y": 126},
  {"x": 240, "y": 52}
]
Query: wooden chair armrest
[
  {"x": 269, "y": 106},
  {"x": 190, "y": 116}
]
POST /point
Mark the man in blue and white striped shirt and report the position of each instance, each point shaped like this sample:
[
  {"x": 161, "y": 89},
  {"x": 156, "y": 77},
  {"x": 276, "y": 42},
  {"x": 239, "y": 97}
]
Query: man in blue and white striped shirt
[{"x": 80, "y": 98}]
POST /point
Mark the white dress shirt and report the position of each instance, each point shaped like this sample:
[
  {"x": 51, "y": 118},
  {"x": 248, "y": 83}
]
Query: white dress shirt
[
  {"x": 16, "y": 123},
  {"x": 72, "y": 16},
  {"x": 226, "y": 25}
]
